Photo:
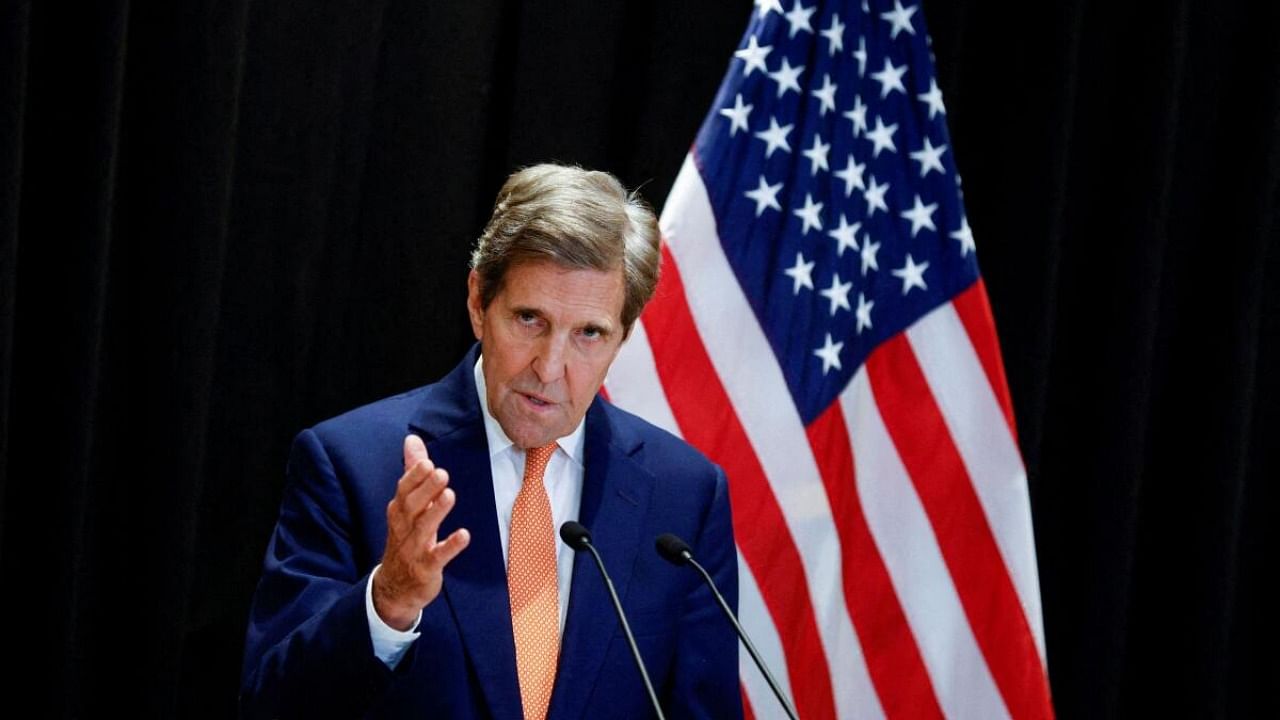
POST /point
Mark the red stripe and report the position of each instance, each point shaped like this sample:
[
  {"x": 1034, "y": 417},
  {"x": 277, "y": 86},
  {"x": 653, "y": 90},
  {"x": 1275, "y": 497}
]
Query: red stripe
[
  {"x": 707, "y": 420},
  {"x": 986, "y": 591},
  {"x": 980, "y": 324},
  {"x": 892, "y": 656},
  {"x": 747, "y": 713}
]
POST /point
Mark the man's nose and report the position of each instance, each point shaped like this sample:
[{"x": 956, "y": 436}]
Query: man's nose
[{"x": 548, "y": 362}]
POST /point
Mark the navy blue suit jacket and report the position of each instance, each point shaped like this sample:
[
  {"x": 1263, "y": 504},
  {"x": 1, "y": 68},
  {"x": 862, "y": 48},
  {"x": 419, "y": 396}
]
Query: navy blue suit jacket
[{"x": 308, "y": 651}]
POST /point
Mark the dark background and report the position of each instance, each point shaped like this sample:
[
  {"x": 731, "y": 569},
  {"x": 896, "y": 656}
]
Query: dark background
[{"x": 223, "y": 221}]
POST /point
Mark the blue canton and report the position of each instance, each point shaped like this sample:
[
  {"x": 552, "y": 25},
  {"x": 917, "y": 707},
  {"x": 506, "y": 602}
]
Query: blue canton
[{"x": 831, "y": 176}]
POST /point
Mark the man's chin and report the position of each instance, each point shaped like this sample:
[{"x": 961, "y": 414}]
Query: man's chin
[
  {"x": 529, "y": 443},
  {"x": 527, "y": 435}
]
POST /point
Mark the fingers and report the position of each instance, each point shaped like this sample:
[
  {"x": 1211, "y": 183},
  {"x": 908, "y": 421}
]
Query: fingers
[
  {"x": 416, "y": 489},
  {"x": 425, "y": 493},
  {"x": 420, "y": 505},
  {"x": 413, "y": 476},
  {"x": 439, "y": 554},
  {"x": 416, "y": 471},
  {"x": 446, "y": 551},
  {"x": 427, "y": 521},
  {"x": 414, "y": 451},
  {"x": 413, "y": 561},
  {"x": 417, "y": 535}
]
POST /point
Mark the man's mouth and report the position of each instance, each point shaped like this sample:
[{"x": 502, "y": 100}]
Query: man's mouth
[{"x": 536, "y": 400}]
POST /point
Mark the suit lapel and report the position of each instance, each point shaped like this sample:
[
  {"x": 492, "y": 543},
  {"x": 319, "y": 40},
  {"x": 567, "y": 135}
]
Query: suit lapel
[
  {"x": 615, "y": 498},
  {"x": 475, "y": 582}
]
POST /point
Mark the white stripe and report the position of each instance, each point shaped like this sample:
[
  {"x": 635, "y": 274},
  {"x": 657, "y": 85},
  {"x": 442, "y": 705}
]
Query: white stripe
[
  {"x": 634, "y": 386},
  {"x": 754, "y": 617},
  {"x": 633, "y": 382},
  {"x": 754, "y": 382},
  {"x": 990, "y": 454},
  {"x": 904, "y": 537}
]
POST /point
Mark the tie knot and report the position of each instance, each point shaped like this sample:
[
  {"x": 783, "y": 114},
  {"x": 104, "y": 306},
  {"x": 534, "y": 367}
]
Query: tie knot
[{"x": 536, "y": 459}]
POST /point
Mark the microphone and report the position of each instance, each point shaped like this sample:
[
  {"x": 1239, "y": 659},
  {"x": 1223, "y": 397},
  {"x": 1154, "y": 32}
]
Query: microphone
[
  {"x": 677, "y": 552},
  {"x": 578, "y": 538}
]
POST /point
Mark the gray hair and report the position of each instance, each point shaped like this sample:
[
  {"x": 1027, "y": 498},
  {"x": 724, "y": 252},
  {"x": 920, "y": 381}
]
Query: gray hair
[{"x": 575, "y": 218}]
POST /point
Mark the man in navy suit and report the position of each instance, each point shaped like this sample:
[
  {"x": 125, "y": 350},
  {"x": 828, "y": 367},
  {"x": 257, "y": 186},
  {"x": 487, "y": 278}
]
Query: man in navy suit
[{"x": 385, "y": 591}]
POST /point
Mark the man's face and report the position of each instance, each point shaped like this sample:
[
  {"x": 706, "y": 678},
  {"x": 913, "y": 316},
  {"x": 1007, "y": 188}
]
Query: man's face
[{"x": 548, "y": 339}]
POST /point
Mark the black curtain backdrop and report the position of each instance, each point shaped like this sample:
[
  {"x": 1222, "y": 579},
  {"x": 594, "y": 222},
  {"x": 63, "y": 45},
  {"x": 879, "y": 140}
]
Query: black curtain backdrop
[{"x": 221, "y": 222}]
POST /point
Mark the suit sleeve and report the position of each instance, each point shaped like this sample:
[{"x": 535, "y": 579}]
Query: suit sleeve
[
  {"x": 705, "y": 681},
  {"x": 308, "y": 651}
]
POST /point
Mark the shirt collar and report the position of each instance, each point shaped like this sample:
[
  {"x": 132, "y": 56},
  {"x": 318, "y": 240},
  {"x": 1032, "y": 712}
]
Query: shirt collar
[{"x": 572, "y": 444}]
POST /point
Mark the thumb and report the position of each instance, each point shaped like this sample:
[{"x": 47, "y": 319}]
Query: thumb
[{"x": 414, "y": 450}]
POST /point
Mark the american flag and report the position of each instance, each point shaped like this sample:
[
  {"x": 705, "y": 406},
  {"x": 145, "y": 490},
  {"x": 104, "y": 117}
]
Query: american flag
[{"x": 822, "y": 332}]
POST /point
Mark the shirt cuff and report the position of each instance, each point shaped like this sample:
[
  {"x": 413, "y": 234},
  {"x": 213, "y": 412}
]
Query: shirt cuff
[{"x": 389, "y": 644}]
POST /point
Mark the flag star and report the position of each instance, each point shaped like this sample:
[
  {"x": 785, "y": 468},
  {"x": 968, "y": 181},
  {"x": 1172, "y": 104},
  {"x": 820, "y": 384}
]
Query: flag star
[
  {"x": 801, "y": 274},
  {"x": 809, "y": 215},
  {"x": 857, "y": 116},
  {"x": 798, "y": 18},
  {"x": 874, "y": 195},
  {"x": 775, "y": 137},
  {"x": 817, "y": 155},
  {"x": 845, "y": 236},
  {"x": 869, "y": 250},
  {"x": 900, "y": 17},
  {"x": 861, "y": 55},
  {"x": 890, "y": 78},
  {"x": 866, "y": 8},
  {"x": 933, "y": 99},
  {"x": 912, "y": 274},
  {"x": 826, "y": 94},
  {"x": 765, "y": 195},
  {"x": 754, "y": 55},
  {"x": 882, "y": 136},
  {"x": 864, "y": 312},
  {"x": 965, "y": 236},
  {"x": 838, "y": 294},
  {"x": 737, "y": 115},
  {"x": 929, "y": 157},
  {"x": 835, "y": 34},
  {"x": 767, "y": 5},
  {"x": 787, "y": 77},
  {"x": 830, "y": 354},
  {"x": 921, "y": 216},
  {"x": 852, "y": 176}
]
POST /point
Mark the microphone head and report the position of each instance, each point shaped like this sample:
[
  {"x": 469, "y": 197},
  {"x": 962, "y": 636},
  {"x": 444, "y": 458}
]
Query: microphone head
[
  {"x": 673, "y": 549},
  {"x": 575, "y": 535}
]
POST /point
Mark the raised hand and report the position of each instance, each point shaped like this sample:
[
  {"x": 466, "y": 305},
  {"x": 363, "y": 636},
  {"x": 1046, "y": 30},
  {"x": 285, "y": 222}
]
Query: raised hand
[{"x": 413, "y": 563}]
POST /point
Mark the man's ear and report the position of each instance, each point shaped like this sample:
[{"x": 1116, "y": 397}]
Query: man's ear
[{"x": 474, "y": 307}]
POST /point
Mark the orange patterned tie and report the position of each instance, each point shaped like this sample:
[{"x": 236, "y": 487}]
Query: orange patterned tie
[{"x": 531, "y": 583}]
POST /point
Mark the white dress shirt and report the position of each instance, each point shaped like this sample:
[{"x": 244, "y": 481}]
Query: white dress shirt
[{"x": 563, "y": 481}]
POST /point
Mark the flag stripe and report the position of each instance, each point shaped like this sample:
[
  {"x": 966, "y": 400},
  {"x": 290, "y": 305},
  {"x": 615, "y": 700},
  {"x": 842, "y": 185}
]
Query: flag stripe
[
  {"x": 743, "y": 364},
  {"x": 991, "y": 603},
  {"x": 640, "y": 391},
  {"x": 910, "y": 550},
  {"x": 708, "y": 420},
  {"x": 973, "y": 418},
  {"x": 980, "y": 325},
  {"x": 893, "y": 659},
  {"x": 754, "y": 617}
]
